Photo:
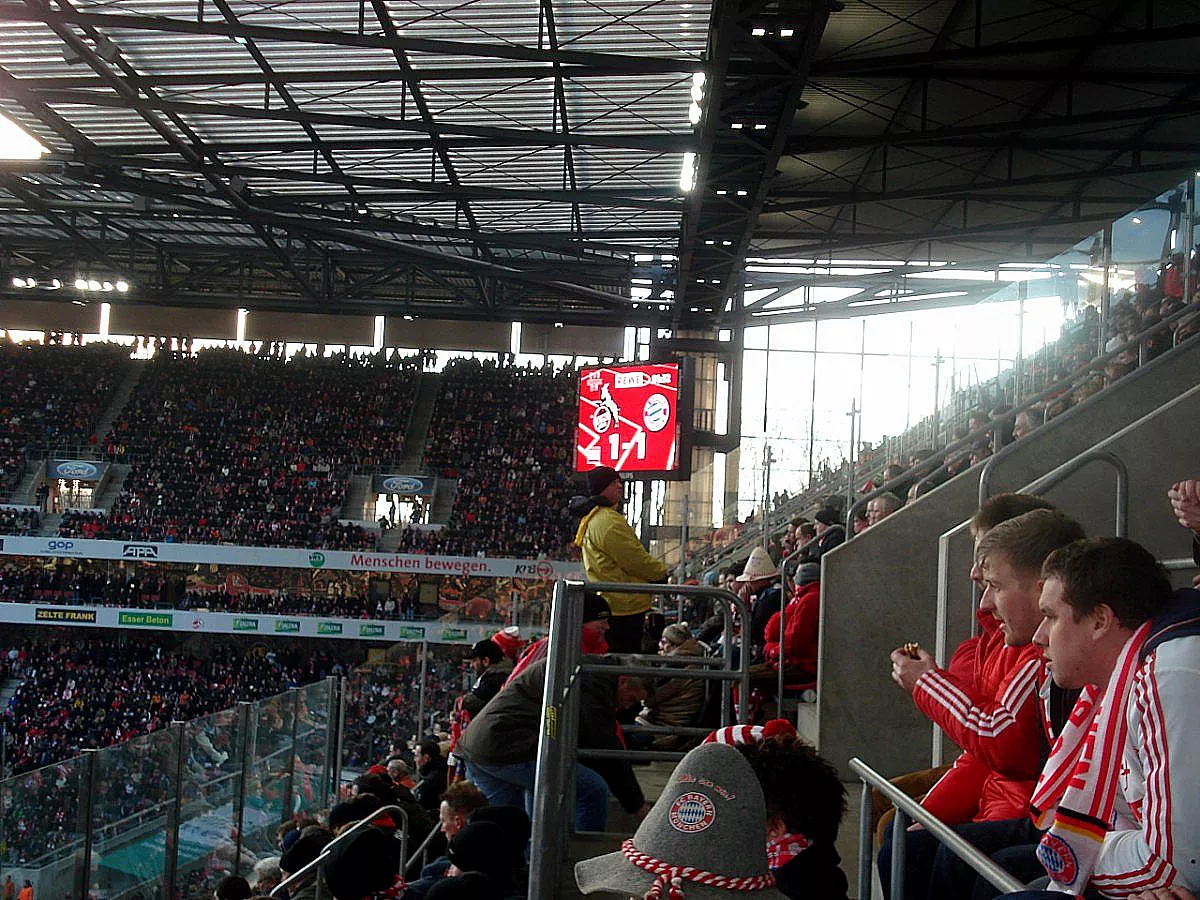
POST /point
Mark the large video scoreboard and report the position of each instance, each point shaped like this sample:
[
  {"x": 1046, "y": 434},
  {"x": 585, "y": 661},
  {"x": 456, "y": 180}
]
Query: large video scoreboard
[{"x": 629, "y": 418}]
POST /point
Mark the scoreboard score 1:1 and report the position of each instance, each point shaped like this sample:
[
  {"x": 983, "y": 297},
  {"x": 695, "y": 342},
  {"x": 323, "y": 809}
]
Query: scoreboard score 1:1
[{"x": 627, "y": 418}]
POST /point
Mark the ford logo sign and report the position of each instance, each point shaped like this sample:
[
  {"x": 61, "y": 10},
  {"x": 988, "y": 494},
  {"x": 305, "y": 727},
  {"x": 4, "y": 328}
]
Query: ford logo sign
[
  {"x": 75, "y": 470},
  {"x": 403, "y": 484}
]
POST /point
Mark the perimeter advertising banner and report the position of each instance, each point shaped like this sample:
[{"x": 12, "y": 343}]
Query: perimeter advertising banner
[
  {"x": 290, "y": 558},
  {"x": 263, "y": 624},
  {"x": 628, "y": 418}
]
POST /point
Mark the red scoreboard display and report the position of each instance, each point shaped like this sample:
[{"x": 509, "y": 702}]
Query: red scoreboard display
[{"x": 628, "y": 418}]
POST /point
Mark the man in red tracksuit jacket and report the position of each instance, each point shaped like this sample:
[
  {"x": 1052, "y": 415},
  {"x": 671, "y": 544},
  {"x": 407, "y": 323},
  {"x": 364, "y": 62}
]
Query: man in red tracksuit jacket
[
  {"x": 997, "y": 718},
  {"x": 803, "y": 621}
]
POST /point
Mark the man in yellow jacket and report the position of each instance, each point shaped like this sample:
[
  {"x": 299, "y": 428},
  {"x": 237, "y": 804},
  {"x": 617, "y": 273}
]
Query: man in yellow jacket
[{"x": 612, "y": 552}]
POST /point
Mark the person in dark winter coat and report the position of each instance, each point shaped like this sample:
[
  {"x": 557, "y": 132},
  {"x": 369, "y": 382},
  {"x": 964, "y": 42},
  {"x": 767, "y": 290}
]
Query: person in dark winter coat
[
  {"x": 830, "y": 533},
  {"x": 500, "y": 744},
  {"x": 432, "y": 769}
]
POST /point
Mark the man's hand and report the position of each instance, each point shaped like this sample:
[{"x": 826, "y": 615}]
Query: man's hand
[
  {"x": 1175, "y": 892},
  {"x": 906, "y": 670},
  {"x": 1185, "y": 502}
]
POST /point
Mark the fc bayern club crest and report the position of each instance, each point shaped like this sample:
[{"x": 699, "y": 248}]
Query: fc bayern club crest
[
  {"x": 691, "y": 813},
  {"x": 1058, "y": 858}
]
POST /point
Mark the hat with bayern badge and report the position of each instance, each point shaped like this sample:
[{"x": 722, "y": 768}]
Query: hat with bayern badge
[{"x": 704, "y": 839}]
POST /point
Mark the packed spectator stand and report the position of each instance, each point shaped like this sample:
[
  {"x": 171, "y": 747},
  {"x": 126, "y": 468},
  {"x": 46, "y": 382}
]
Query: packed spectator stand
[
  {"x": 506, "y": 433},
  {"x": 52, "y": 396},
  {"x": 232, "y": 447}
]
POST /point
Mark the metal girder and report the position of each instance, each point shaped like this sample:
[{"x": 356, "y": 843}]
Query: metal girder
[
  {"x": 662, "y": 143},
  {"x": 763, "y": 98},
  {"x": 133, "y": 100},
  {"x": 867, "y": 66},
  {"x": 818, "y": 143},
  {"x": 791, "y": 201},
  {"x": 546, "y": 10},
  {"x": 614, "y": 63},
  {"x": 19, "y": 189}
]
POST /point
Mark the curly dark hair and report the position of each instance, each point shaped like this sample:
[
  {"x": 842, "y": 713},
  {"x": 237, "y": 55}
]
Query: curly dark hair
[{"x": 799, "y": 786}]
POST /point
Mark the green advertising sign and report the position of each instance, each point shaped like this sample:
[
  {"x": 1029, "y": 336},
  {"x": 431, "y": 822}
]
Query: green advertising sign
[
  {"x": 409, "y": 632},
  {"x": 245, "y": 624},
  {"x": 377, "y": 631},
  {"x": 146, "y": 620},
  {"x": 329, "y": 628},
  {"x": 287, "y": 626},
  {"x": 454, "y": 634}
]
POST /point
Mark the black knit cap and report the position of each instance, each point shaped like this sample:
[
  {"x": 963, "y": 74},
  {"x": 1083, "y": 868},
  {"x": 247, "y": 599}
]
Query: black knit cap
[
  {"x": 595, "y": 607},
  {"x": 599, "y": 478},
  {"x": 828, "y": 516},
  {"x": 482, "y": 847},
  {"x": 362, "y": 864}
]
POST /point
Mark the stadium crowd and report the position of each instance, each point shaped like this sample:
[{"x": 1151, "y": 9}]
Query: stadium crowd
[
  {"x": 51, "y": 396},
  {"x": 19, "y": 521},
  {"x": 506, "y": 433},
  {"x": 230, "y": 447}
]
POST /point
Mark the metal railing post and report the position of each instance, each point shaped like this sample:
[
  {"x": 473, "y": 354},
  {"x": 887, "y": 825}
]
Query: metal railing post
[
  {"x": 550, "y": 778},
  {"x": 899, "y": 851},
  {"x": 290, "y": 794},
  {"x": 174, "y": 811},
  {"x": 421, "y": 732},
  {"x": 239, "y": 809},
  {"x": 908, "y": 809},
  {"x": 337, "y": 702},
  {"x": 866, "y": 844},
  {"x": 87, "y": 806}
]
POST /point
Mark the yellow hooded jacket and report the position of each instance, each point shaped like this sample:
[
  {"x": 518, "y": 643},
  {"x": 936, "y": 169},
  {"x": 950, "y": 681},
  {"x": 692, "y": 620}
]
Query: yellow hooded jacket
[{"x": 612, "y": 552}]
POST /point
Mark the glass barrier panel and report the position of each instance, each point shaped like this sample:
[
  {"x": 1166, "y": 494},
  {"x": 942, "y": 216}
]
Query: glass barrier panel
[
  {"x": 212, "y": 780},
  {"x": 310, "y": 779},
  {"x": 133, "y": 791},
  {"x": 40, "y": 830},
  {"x": 268, "y": 799}
]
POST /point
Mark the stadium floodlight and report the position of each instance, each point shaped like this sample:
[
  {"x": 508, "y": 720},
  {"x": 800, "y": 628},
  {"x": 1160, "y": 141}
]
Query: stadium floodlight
[{"x": 122, "y": 287}]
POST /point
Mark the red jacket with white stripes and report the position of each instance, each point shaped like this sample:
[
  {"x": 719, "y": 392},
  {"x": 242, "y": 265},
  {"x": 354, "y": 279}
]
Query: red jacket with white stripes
[
  {"x": 995, "y": 716},
  {"x": 1155, "y": 840}
]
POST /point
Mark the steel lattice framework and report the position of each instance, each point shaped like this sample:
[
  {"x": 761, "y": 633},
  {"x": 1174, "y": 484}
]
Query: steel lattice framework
[{"x": 521, "y": 159}]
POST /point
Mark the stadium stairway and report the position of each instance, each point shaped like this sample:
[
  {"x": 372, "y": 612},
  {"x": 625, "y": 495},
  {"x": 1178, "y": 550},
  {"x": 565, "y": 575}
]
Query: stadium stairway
[
  {"x": 418, "y": 425},
  {"x": 359, "y": 504},
  {"x": 112, "y": 486},
  {"x": 880, "y": 589},
  {"x": 120, "y": 397},
  {"x": 23, "y": 493}
]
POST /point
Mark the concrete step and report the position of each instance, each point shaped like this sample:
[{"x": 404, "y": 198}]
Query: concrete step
[
  {"x": 418, "y": 425},
  {"x": 111, "y": 490},
  {"x": 443, "y": 501},
  {"x": 23, "y": 492},
  {"x": 137, "y": 368},
  {"x": 50, "y": 523},
  {"x": 359, "y": 502}
]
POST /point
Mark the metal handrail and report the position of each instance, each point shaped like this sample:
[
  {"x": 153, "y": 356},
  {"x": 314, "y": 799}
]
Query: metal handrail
[
  {"x": 558, "y": 734},
  {"x": 1182, "y": 564},
  {"x": 307, "y": 869},
  {"x": 1051, "y": 391},
  {"x": 1050, "y": 479},
  {"x": 906, "y": 809}
]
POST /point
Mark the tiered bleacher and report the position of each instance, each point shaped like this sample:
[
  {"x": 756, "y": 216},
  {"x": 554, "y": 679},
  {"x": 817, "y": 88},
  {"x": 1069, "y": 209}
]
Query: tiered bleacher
[
  {"x": 52, "y": 396},
  {"x": 506, "y": 433},
  {"x": 230, "y": 447}
]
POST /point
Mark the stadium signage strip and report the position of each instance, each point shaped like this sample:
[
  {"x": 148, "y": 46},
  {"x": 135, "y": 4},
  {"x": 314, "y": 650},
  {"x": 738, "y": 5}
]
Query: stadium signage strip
[
  {"x": 241, "y": 624},
  {"x": 290, "y": 558}
]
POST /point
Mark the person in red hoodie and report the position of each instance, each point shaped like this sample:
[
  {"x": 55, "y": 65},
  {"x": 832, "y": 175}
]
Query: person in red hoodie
[
  {"x": 595, "y": 623},
  {"x": 802, "y": 623}
]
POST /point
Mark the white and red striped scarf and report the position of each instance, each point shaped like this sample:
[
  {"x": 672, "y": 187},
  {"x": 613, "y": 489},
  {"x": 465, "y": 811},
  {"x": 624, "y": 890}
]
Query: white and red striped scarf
[
  {"x": 751, "y": 734},
  {"x": 1077, "y": 790}
]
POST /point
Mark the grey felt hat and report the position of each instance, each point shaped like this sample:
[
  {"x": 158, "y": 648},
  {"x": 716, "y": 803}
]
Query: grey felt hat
[{"x": 710, "y": 817}]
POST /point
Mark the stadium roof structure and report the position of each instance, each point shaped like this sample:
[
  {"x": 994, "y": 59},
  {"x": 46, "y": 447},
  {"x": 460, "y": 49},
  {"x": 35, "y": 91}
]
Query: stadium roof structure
[{"x": 580, "y": 161}]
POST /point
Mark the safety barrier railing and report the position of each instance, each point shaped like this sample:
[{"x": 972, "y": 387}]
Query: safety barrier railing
[
  {"x": 1087, "y": 370},
  {"x": 909, "y": 810},
  {"x": 558, "y": 750},
  {"x": 310, "y": 869},
  {"x": 1046, "y": 482}
]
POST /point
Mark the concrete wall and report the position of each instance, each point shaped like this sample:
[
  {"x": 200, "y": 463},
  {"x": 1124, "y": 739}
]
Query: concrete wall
[{"x": 880, "y": 590}]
